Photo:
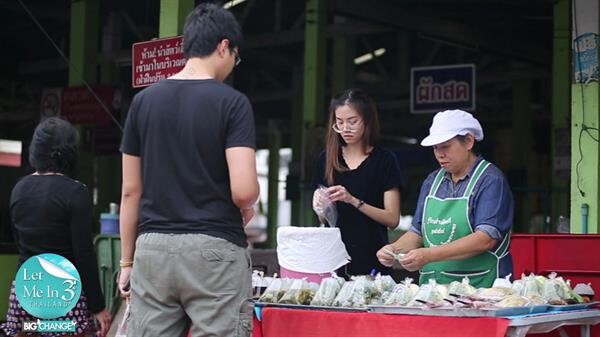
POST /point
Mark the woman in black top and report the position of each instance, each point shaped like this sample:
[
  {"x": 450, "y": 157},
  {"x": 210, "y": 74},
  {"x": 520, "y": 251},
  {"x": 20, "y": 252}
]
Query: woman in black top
[
  {"x": 363, "y": 179},
  {"x": 52, "y": 213}
]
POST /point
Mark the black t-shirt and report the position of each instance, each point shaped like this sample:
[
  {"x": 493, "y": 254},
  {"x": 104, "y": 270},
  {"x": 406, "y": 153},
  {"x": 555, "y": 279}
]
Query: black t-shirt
[
  {"x": 180, "y": 130},
  {"x": 53, "y": 214},
  {"x": 363, "y": 237}
]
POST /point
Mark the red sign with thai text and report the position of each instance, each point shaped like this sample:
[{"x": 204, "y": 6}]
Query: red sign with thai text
[
  {"x": 155, "y": 60},
  {"x": 79, "y": 106}
]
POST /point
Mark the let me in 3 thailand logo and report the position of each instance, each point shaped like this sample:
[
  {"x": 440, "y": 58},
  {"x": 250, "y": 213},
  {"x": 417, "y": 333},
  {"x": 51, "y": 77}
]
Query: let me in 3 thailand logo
[{"x": 48, "y": 286}]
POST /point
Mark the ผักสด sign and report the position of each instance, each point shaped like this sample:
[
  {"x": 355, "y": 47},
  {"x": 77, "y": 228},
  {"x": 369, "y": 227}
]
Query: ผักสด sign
[
  {"x": 438, "y": 88},
  {"x": 156, "y": 60}
]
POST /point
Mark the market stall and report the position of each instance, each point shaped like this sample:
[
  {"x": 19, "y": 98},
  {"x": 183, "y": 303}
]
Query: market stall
[{"x": 279, "y": 322}]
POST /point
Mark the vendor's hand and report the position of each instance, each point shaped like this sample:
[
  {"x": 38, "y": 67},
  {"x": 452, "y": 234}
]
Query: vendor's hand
[
  {"x": 384, "y": 257},
  {"x": 339, "y": 193},
  {"x": 416, "y": 259},
  {"x": 124, "y": 281},
  {"x": 247, "y": 215},
  {"x": 104, "y": 319}
]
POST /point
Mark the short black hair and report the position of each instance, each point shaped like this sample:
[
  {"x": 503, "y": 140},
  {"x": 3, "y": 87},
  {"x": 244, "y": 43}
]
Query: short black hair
[
  {"x": 54, "y": 146},
  {"x": 206, "y": 26}
]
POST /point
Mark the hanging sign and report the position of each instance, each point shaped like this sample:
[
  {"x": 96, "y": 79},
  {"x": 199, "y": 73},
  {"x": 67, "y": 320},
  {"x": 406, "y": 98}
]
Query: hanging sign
[
  {"x": 156, "y": 60},
  {"x": 438, "y": 88}
]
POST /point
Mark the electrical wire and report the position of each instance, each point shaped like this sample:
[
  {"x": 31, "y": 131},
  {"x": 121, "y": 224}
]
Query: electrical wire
[{"x": 71, "y": 67}]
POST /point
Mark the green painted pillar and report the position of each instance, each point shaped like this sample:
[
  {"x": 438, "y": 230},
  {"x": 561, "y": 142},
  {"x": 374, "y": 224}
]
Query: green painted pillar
[
  {"x": 273, "y": 189},
  {"x": 172, "y": 16},
  {"x": 343, "y": 52},
  {"x": 521, "y": 150},
  {"x": 83, "y": 46},
  {"x": 585, "y": 154},
  {"x": 9, "y": 269},
  {"x": 296, "y": 127},
  {"x": 561, "y": 99},
  {"x": 585, "y": 119},
  {"x": 314, "y": 110},
  {"x": 83, "y": 51}
]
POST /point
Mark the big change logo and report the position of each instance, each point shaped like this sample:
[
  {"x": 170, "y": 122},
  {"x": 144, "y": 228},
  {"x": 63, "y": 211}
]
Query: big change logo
[{"x": 47, "y": 286}]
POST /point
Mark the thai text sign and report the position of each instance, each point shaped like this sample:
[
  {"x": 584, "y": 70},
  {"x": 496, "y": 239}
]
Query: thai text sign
[
  {"x": 79, "y": 106},
  {"x": 439, "y": 88},
  {"x": 155, "y": 60}
]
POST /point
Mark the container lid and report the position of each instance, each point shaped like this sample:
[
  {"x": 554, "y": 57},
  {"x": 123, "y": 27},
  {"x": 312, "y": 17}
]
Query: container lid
[
  {"x": 311, "y": 249},
  {"x": 109, "y": 216}
]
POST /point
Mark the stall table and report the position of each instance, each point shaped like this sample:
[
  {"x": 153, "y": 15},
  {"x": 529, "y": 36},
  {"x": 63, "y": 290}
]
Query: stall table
[{"x": 282, "y": 322}]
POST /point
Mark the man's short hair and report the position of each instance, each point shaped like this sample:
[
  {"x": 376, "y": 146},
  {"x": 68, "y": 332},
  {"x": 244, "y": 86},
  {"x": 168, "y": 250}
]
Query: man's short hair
[{"x": 205, "y": 27}]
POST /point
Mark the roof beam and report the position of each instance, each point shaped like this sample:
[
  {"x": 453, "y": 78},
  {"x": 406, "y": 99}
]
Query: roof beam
[{"x": 406, "y": 19}]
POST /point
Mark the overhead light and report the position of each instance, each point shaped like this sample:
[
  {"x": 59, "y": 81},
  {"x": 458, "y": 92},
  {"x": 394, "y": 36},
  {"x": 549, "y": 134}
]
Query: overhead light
[
  {"x": 232, "y": 3},
  {"x": 369, "y": 56}
]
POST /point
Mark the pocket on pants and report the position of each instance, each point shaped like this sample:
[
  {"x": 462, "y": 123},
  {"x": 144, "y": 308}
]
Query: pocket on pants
[{"x": 244, "y": 323}]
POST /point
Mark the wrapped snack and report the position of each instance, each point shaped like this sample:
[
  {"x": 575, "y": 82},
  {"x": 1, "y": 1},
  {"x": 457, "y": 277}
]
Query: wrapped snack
[
  {"x": 364, "y": 292},
  {"x": 502, "y": 282},
  {"x": 344, "y": 297},
  {"x": 430, "y": 294},
  {"x": 566, "y": 292},
  {"x": 384, "y": 283},
  {"x": 492, "y": 294},
  {"x": 403, "y": 293},
  {"x": 298, "y": 291},
  {"x": 518, "y": 286},
  {"x": 513, "y": 301},
  {"x": 531, "y": 286},
  {"x": 551, "y": 290},
  {"x": 271, "y": 294},
  {"x": 327, "y": 291},
  {"x": 585, "y": 291},
  {"x": 463, "y": 288}
]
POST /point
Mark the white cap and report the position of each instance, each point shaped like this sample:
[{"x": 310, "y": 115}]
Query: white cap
[{"x": 451, "y": 123}]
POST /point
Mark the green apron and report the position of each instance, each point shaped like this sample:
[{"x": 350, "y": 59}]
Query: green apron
[{"x": 447, "y": 220}]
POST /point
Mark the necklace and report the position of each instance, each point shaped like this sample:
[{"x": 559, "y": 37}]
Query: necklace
[{"x": 36, "y": 173}]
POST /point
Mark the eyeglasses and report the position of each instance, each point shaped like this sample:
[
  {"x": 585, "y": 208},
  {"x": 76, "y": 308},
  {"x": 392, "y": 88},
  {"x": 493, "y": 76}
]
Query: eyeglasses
[
  {"x": 349, "y": 126},
  {"x": 236, "y": 55}
]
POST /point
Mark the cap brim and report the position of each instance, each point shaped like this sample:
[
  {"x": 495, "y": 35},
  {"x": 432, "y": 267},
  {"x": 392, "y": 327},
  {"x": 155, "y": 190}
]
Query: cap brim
[{"x": 437, "y": 139}]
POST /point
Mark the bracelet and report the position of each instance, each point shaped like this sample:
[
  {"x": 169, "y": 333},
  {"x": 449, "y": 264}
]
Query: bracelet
[
  {"x": 124, "y": 264},
  {"x": 360, "y": 203}
]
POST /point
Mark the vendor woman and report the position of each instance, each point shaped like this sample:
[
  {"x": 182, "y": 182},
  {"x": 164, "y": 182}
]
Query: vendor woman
[{"x": 464, "y": 214}]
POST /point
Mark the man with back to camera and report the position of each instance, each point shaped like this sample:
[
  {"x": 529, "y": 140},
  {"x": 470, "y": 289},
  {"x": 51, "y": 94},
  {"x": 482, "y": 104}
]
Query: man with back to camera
[{"x": 189, "y": 183}]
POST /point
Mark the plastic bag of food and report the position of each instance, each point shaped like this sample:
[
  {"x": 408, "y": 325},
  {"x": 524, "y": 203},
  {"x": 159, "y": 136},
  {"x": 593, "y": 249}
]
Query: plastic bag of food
[
  {"x": 403, "y": 293},
  {"x": 566, "y": 292},
  {"x": 275, "y": 290},
  {"x": 363, "y": 293},
  {"x": 531, "y": 285},
  {"x": 344, "y": 297},
  {"x": 459, "y": 289},
  {"x": 384, "y": 283},
  {"x": 430, "y": 294},
  {"x": 298, "y": 292},
  {"x": 513, "y": 301},
  {"x": 492, "y": 294},
  {"x": 324, "y": 207},
  {"x": 328, "y": 290},
  {"x": 550, "y": 291}
]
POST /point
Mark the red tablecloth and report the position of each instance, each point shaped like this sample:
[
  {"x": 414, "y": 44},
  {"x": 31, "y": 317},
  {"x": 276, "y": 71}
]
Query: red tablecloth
[{"x": 279, "y": 322}]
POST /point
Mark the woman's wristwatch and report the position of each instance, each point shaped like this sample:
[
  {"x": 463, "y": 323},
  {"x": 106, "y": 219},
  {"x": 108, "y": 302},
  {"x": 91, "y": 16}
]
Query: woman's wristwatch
[{"x": 360, "y": 203}]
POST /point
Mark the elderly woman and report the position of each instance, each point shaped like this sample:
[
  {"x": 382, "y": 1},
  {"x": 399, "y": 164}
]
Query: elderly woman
[{"x": 464, "y": 214}]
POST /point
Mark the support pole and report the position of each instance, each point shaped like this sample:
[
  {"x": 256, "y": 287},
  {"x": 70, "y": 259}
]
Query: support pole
[{"x": 172, "y": 16}]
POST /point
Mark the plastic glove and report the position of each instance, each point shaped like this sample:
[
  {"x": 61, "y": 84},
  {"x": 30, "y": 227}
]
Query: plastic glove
[{"x": 319, "y": 201}]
